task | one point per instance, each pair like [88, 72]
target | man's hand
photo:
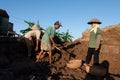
[37, 43]
[96, 48]
[53, 45]
[36, 48]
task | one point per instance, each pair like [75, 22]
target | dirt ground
[16, 65]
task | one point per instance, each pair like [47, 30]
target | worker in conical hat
[94, 41]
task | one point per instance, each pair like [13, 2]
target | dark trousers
[92, 51]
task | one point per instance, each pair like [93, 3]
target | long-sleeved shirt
[93, 43]
[50, 32]
[33, 33]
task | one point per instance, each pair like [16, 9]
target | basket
[74, 63]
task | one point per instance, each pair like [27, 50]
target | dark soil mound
[16, 65]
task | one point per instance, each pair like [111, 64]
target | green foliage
[25, 31]
[30, 24]
[38, 23]
[65, 36]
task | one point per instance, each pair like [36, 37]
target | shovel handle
[57, 48]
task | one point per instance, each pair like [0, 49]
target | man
[35, 32]
[94, 42]
[47, 42]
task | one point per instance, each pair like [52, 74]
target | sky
[73, 14]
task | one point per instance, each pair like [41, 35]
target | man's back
[33, 33]
[50, 32]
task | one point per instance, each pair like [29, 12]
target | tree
[30, 24]
[65, 36]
